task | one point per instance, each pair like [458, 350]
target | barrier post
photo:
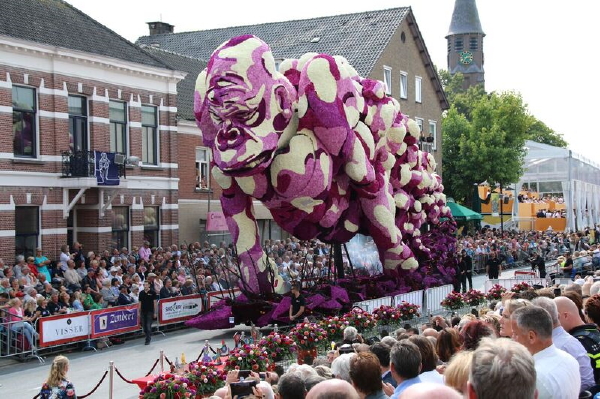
[162, 361]
[111, 373]
[88, 346]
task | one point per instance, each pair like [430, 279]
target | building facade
[75, 102]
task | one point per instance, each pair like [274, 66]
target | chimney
[157, 28]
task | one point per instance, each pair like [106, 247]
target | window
[202, 169]
[78, 123]
[403, 85]
[149, 135]
[420, 123]
[151, 226]
[387, 80]
[118, 126]
[473, 43]
[120, 227]
[458, 44]
[418, 95]
[24, 124]
[27, 230]
[433, 134]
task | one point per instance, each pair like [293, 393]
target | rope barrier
[168, 361]
[96, 387]
[153, 367]
[123, 378]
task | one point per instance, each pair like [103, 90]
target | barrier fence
[508, 283]
[372, 304]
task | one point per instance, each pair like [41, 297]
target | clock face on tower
[466, 57]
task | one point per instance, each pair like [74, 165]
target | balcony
[78, 164]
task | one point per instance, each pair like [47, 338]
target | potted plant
[169, 386]
[495, 293]
[474, 297]
[248, 357]
[278, 346]
[453, 301]
[408, 311]
[205, 378]
[308, 336]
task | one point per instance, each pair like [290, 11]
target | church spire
[465, 44]
[465, 18]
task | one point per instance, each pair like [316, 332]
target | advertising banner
[173, 310]
[117, 320]
[215, 221]
[60, 329]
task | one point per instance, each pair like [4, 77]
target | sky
[544, 50]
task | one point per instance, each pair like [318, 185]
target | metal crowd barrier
[14, 340]
[372, 304]
[428, 300]
[434, 296]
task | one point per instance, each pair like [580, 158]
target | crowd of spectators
[79, 280]
[518, 247]
[535, 344]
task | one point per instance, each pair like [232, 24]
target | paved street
[133, 359]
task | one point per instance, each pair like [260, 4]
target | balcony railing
[82, 164]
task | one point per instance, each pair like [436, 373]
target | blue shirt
[403, 385]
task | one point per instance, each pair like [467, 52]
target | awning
[460, 212]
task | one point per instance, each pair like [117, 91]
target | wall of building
[38, 181]
[405, 56]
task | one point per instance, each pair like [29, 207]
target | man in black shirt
[298, 303]
[587, 334]
[493, 266]
[90, 280]
[147, 298]
[538, 262]
[465, 265]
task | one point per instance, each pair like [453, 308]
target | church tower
[465, 43]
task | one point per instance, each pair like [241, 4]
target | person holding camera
[248, 387]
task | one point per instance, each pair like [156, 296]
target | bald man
[427, 390]
[587, 334]
[332, 388]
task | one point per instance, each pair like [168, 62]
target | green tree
[486, 145]
[540, 132]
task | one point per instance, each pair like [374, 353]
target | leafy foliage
[487, 131]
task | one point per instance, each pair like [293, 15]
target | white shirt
[568, 343]
[557, 374]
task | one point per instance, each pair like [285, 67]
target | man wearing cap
[124, 297]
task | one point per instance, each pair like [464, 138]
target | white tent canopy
[558, 171]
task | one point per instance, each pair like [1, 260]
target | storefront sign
[115, 320]
[173, 310]
[56, 330]
[215, 221]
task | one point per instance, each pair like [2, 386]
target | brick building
[70, 90]
[385, 45]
